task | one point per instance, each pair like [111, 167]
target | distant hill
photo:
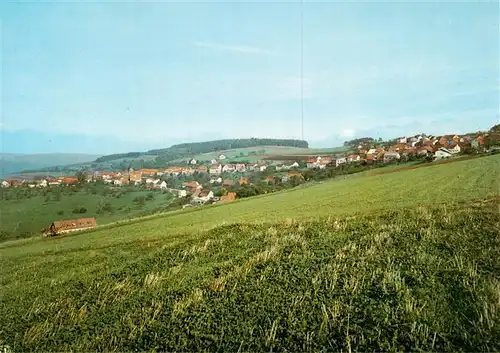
[186, 150]
[11, 163]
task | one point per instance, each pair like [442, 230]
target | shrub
[141, 200]
[104, 206]
[80, 209]
[60, 213]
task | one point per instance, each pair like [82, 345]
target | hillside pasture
[24, 216]
[270, 153]
[243, 153]
[406, 261]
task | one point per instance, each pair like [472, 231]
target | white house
[282, 167]
[312, 164]
[117, 182]
[182, 193]
[353, 158]
[294, 165]
[188, 171]
[205, 196]
[391, 155]
[240, 167]
[5, 184]
[263, 168]
[222, 157]
[216, 180]
[163, 185]
[215, 169]
[193, 161]
[228, 168]
[252, 167]
[43, 183]
[402, 140]
[456, 149]
[340, 161]
[285, 178]
[213, 161]
[442, 153]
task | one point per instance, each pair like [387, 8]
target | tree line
[186, 150]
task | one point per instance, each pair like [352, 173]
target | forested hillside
[189, 149]
[11, 163]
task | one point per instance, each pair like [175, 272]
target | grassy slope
[31, 215]
[394, 274]
[233, 154]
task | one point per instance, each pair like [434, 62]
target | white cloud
[235, 48]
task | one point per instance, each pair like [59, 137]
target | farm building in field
[61, 227]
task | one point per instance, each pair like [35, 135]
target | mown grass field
[401, 261]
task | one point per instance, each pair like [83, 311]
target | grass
[233, 155]
[22, 217]
[401, 261]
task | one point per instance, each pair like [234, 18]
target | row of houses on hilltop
[218, 168]
[419, 146]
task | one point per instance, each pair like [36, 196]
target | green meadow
[408, 260]
[242, 154]
[24, 212]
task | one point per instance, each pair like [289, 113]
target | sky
[114, 77]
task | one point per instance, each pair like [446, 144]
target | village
[419, 146]
[198, 183]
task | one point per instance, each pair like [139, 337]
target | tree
[141, 200]
[81, 175]
[80, 209]
[495, 128]
[221, 192]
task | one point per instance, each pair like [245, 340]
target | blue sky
[123, 76]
